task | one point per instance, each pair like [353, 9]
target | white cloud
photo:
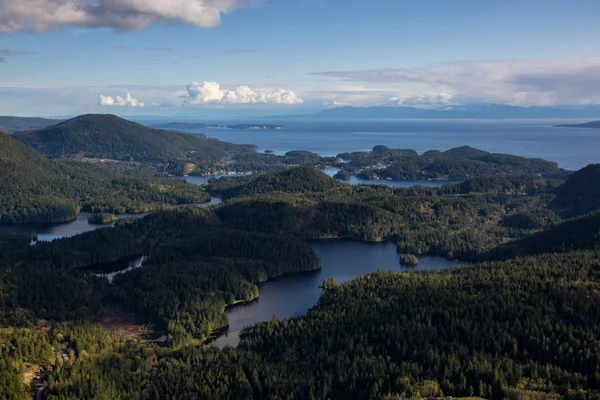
[519, 82]
[335, 103]
[426, 99]
[119, 101]
[43, 15]
[212, 93]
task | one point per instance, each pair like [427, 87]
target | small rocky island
[408, 260]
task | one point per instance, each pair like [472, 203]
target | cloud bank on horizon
[134, 15]
[520, 82]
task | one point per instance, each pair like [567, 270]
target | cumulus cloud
[212, 93]
[426, 99]
[43, 15]
[127, 101]
[521, 82]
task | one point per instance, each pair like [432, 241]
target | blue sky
[251, 57]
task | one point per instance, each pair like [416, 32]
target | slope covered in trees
[293, 180]
[36, 189]
[455, 164]
[109, 137]
[525, 328]
[580, 194]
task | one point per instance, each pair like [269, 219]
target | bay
[571, 148]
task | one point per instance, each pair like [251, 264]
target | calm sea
[571, 148]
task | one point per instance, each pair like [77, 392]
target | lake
[571, 148]
[292, 295]
[50, 232]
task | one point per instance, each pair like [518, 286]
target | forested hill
[459, 163]
[16, 124]
[591, 124]
[96, 136]
[580, 194]
[293, 180]
[36, 189]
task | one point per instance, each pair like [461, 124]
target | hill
[459, 163]
[580, 194]
[591, 124]
[15, 124]
[581, 233]
[36, 189]
[292, 180]
[95, 137]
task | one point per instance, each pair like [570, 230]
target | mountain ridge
[467, 111]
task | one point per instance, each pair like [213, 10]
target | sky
[267, 57]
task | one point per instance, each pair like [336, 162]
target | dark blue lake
[292, 295]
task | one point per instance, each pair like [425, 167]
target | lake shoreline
[292, 294]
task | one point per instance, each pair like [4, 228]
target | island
[343, 175]
[408, 260]
[591, 124]
[256, 127]
[101, 219]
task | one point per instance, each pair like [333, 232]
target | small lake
[123, 265]
[203, 180]
[391, 183]
[292, 295]
[50, 232]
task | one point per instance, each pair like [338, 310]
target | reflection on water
[292, 295]
[391, 183]
[203, 180]
[130, 263]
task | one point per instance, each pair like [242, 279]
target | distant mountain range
[467, 111]
[591, 124]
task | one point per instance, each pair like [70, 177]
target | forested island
[384, 335]
[591, 124]
[456, 164]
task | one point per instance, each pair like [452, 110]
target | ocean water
[571, 148]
